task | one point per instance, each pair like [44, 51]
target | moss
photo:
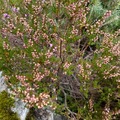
[6, 102]
[30, 115]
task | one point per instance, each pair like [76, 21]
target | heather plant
[54, 54]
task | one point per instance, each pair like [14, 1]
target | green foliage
[6, 102]
[96, 10]
[64, 55]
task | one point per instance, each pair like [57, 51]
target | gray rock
[20, 109]
[3, 86]
[46, 114]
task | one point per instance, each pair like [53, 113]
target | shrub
[53, 55]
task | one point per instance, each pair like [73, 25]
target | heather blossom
[60, 54]
[6, 15]
[14, 9]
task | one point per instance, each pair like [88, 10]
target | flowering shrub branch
[52, 55]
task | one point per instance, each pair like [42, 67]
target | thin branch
[65, 101]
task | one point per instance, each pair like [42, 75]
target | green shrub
[57, 54]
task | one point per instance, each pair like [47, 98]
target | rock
[3, 86]
[20, 109]
[45, 114]
[59, 117]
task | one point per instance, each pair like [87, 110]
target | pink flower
[14, 9]
[5, 15]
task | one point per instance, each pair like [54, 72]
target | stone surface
[3, 86]
[46, 114]
[20, 109]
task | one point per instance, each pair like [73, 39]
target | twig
[65, 101]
